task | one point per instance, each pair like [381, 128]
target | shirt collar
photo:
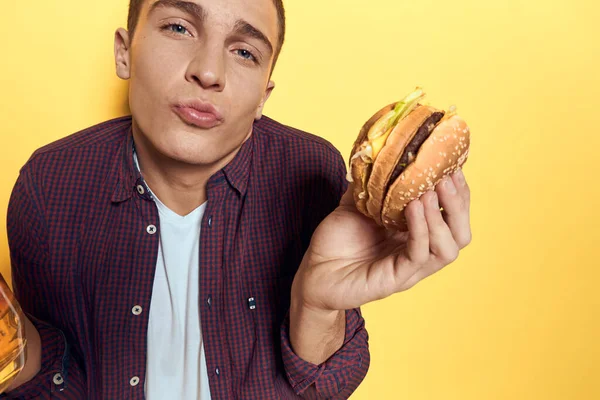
[125, 172]
[236, 173]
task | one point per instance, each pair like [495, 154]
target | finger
[456, 211]
[422, 273]
[462, 187]
[441, 241]
[418, 233]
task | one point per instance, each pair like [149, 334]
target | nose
[207, 68]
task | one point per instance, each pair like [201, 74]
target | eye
[246, 54]
[176, 28]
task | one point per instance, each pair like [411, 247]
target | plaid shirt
[82, 232]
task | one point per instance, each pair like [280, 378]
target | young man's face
[199, 74]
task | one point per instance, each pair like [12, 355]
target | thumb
[347, 199]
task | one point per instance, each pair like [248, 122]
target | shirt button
[252, 303]
[57, 379]
[141, 189]
[136, 310]
[209, 222]
[217, 371]
[209, 301]
[151, 229]
[134, 381]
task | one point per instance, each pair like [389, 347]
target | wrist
[315, 334]
[304, 311]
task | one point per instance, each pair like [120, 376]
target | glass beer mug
[12, 337]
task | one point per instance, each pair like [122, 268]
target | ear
[259, 110]
[122, 53]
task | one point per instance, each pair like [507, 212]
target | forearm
[33, 353]
[50, 372]
[57, 375]
[315, 335]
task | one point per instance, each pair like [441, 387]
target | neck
[179, 185]
[180, 189]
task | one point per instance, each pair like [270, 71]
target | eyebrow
[241, 27]
[188, 7]
[244, 28]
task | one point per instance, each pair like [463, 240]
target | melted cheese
[378, 134]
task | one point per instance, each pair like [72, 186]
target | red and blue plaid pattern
[83, 243]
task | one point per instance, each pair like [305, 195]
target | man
[197, 250]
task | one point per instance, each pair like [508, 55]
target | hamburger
[401, 152]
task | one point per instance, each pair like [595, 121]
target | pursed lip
[198, 113]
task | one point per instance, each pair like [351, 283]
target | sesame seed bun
[389, 157]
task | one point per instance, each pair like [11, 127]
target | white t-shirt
[176, 365]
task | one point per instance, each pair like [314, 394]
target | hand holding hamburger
[388, 232]
[401, 152]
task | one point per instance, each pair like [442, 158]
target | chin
[194, 149]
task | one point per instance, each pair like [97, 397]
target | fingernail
[460, 177]
[449, 186]
[419, 208]
[434, 200]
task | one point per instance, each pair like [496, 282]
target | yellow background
[518, 315]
